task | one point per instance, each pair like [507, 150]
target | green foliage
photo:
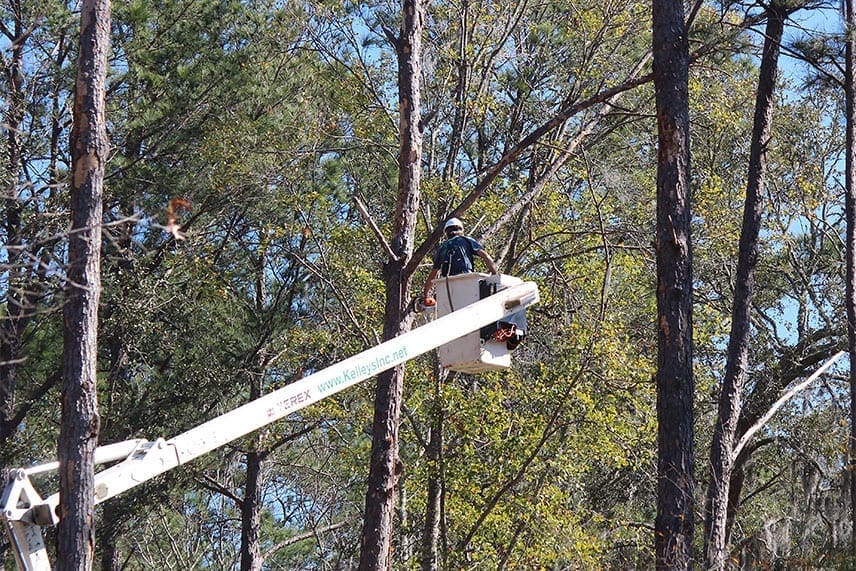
[268, 118]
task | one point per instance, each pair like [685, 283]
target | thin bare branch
[747, 436]
[301, 536]
[370, 221]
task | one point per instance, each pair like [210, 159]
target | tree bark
[26, 283]
[80, 421]
[251, 504]
[12, 328]
[251, 559]
[434, 501]
[850, 217]
[675, 385]
[108, 533]
[385, 467]
[722, 458]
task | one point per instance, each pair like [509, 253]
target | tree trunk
[25, 282]
[674, 524]
[80, 422]
[251, 559]
[110, 559]
[251, 505]
[385, 468]
[434, 501]
[107, 535]
[731, 395]
[12, 328]
[850, 216]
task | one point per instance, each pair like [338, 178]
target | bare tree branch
[380, 237]
[747, 436]
[301, 536]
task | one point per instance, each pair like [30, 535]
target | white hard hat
[453, 223]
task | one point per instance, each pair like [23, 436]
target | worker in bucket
[455, 255]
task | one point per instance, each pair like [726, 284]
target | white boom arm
[25, 512]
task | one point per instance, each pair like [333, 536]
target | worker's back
[456, 256]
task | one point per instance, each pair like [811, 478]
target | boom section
[353, 370]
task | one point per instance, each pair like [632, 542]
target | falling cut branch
[747, 436]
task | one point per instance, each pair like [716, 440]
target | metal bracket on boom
[25, 512]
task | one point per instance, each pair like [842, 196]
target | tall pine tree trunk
[251, 504]
[80, 421]
[722, 458]
[108, 535]
[675, 386]
[251, 559]
[850, 216]
[385, 467]
[430, 560]
[12, 328]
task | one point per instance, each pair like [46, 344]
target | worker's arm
[429, 283]
[487, 260]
